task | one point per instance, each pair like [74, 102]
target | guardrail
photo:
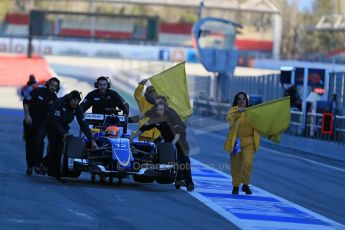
[208, 108]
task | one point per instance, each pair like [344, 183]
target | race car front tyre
[143, 179]
[71, 173]
[165, 180]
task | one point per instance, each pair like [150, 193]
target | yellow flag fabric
[172, 83]
[270, 119]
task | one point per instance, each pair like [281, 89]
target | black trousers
[34, 135]
[183, 166]
[55, 149]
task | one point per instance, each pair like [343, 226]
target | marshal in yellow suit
[144, 106]
[241, 163]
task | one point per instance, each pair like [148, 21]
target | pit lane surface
[41, 202]
[315, 187]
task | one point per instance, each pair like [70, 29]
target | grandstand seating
[105, 28]
[16, 30]
[175, 34]
[17, 19]
[16, 25]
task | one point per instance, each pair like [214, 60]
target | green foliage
[188, 18]
[321, 7]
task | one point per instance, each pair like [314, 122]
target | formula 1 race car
[118, 156]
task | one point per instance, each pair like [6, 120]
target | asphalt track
[40, 202]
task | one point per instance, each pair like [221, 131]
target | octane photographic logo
[137, 166]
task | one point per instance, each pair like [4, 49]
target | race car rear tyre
[165, 180]
[143, 179]
[71, 173]
[93, 178]
[102, 179]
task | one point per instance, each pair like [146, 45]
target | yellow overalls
[144, 105]
[241, 163]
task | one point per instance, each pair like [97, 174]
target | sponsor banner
[89, 49]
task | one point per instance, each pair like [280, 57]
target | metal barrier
[209, 108]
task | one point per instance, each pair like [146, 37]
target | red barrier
[17, 18]
[15, 70]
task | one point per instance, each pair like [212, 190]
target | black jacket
[62, 115]
[111, 99]
[168, 125]
[40, 101]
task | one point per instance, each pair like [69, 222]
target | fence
[269, 87]
[208, 108]
[337, 87]
[313, 127]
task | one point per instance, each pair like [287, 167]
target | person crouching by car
[173, 130]
[62, 114]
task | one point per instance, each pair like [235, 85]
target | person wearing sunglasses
[145, 103]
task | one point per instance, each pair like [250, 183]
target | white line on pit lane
[250, 223]
[288, 155]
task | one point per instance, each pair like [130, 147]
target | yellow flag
[270, 119]
[172, 83]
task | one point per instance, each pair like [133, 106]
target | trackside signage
[94, 49]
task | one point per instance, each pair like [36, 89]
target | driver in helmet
[112, 131]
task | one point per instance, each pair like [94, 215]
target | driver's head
[102, 84]
[112, 131]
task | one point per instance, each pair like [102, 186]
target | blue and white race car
[118, 156]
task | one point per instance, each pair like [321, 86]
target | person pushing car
[62, 114]
[36, 107]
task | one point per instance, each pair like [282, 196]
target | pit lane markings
[260, 211]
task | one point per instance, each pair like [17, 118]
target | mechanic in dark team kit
[104, 98]
[173, 130]
[36, 106]
[62, 114]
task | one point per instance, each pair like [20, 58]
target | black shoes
[38, 170]
[44, 170]
[235, 190]
[29, 171]
[246, 189]
[177, 184]
[190, 185]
